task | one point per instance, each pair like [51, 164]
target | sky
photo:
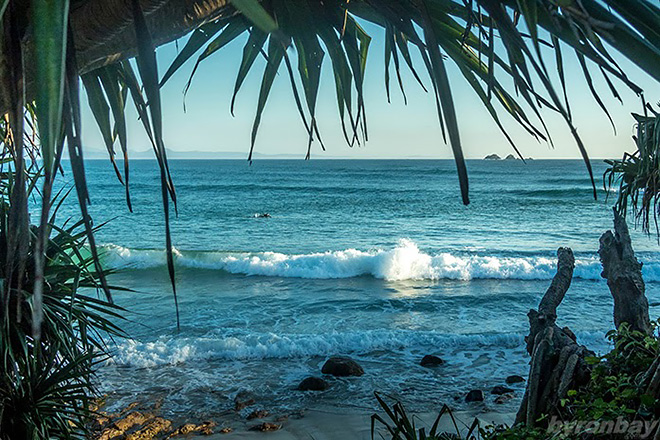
[395, 130]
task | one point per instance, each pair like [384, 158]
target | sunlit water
[377, 260]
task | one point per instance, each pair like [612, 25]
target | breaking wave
[172, 351]
[403, 262]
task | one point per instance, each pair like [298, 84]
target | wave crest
[403, 262]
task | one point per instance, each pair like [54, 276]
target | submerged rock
[205, 428]
[431, 361]
[492, 157]
[266, 426]
[342, 366]
[499, 390]
[503, 398]
[312, 383]
[258, 414]
[475, 396]
[243, 399]
[150, 430]
[514, 379]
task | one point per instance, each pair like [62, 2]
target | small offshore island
[509, 157]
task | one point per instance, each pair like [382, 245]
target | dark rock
[503, 398]
[342, 366]
[313, 384]
[243, 399]
[511, 157]
[499, 390]
[475, 396]
[514, 379]
[431, 361]
[266, 426]
[492, 157]
[258, 414]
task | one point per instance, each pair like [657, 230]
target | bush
[46, 381]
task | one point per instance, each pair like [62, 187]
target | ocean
[373, 259]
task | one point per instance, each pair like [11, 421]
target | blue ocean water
[377, 260]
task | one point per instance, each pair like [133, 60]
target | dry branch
[624, 277]
[557, 363]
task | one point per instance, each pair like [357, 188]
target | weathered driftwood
[624, 277]
[557, 363]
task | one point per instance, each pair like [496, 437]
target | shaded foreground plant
[400, 425]
[46, 383]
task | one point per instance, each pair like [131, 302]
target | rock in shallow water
[342, 366]
[313, 384]
[431, 361]
[475, 396]
[499, 390]
[503, 398]
[266, 426]
[243, 399]
[258, 414]
[514, 379]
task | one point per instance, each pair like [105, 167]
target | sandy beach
[320, 424]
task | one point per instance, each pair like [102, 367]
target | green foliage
[617, 383]
[638, 174]
[514, 433]
[46, 383]
[402, 426]
[479, 37]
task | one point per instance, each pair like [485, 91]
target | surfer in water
[264, 215]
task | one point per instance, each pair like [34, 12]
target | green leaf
[256, 14]
[148, 68]
[251, 50]
[101, 112]
[275, 55]
[49, 22]
[198, 38]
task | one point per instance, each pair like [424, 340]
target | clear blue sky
[396, 130]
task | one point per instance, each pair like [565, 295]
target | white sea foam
[404, 262]
[172, 351]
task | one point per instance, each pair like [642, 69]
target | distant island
[509, 157]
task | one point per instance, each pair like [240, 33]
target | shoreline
[334, 424]
[143, 422]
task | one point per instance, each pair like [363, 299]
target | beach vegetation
[636, 177]
[46, 378]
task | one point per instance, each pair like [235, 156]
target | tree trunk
[557, 363]
[624, 277]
